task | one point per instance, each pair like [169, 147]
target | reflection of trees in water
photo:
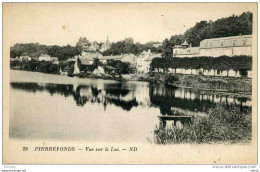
[109, 95]
[167, 97]
[65, 90]
[125, 96]
[29, 87]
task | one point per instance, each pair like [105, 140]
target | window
[211, 44]
[222, 43]
[244, 42]
[205, 44]
[234, 42]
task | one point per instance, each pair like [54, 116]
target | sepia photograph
[136, 82]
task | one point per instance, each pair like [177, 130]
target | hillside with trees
[224, 27]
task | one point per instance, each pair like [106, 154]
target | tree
[96, 63]
[82, 44]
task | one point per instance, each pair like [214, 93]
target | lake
[53, 107]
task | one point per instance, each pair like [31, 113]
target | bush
[171, 79]
[223, 124]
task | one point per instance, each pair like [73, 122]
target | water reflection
[127, 95]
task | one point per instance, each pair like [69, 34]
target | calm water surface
[44, 106]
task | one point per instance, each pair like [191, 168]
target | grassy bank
[201, 82]
[228, 125]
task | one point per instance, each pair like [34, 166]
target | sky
[64, 23]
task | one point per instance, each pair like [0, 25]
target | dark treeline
[35, 50]
[36, 66]
[224, 27]
[50, 68]
[222, 63]
[64, 52]
[128, 46]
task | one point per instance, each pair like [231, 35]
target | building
[127, 58]
[25, 58]
[95, 46]
[215, 47]
[104, 59]
[229, 46]
[44, 57]
[90, 56]
[156, 45]
[53, 59]
[105, 46]
[144, 60]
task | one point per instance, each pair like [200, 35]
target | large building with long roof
[215, 47]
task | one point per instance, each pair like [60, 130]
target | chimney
[149, 51]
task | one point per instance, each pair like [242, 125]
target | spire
[185, 43]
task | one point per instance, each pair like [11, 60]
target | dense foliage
[44, 67]
[224, 27]
[49, 67]
[219, 63]
[121, 67]
[128, 46]
[35, 50]
[223, 124]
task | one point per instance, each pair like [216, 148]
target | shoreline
[137, 79]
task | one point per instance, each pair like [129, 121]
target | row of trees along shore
[222, 63]
[230, 26]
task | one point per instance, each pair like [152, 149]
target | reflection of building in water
[142, 95]
[190, 99]
[105, 95]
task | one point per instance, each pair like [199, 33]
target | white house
[144, 60]
[44, 57]
[127, 58]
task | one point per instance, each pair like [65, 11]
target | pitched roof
[44, 55]
[130, 58]
[110, 67]
[54, 58]
[232, 41]
[56, 62]
[71, 60]
[151, 57]
[178, 46]
[25, 57]
[144, 54]
[190, 50]
[185, 43]
[91, 56]
[116, 57]
[84, 61]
